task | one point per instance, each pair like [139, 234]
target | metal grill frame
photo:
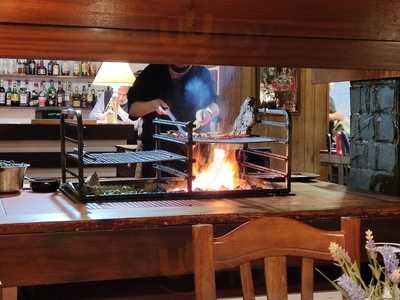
[248, 169]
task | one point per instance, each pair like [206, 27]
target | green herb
[109, 190]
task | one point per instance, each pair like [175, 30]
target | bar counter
[46, 238]
[99, 131]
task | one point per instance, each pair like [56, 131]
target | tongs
[172, 117]
[85, 154]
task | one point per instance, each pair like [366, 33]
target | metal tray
[123, 158]
[71, 190]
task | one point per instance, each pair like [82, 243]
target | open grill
[277, 181]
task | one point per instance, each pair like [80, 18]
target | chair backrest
[273, 239]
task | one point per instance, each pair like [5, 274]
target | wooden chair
[273, 239]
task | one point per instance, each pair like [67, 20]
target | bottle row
[24, 93]
[48, 68]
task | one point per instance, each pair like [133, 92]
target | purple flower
[353, 290]
[389, 258]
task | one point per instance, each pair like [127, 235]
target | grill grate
[142, 204]
[222, 140]
[123, 158]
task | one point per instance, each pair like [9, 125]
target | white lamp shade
[114, 74]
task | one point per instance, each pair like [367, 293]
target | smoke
[197, 91]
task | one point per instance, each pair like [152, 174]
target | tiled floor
[317, 296]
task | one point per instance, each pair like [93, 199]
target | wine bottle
[60, 95]
[2, 94]
[34, 99]
[51, 94]
[42, 95]
[9, 94]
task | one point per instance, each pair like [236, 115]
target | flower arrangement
[384, 278]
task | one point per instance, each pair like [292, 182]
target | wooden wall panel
[141, 46]
[332, 75]
[310, 126]
[342, 19]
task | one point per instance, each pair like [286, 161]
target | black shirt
[184, 96]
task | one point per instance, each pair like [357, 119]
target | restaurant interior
[301, 152]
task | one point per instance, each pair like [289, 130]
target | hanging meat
[246, 118]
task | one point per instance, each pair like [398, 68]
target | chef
[185, 90]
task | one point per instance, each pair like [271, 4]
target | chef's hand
[159, 106]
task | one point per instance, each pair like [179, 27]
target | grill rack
[159, 156]
[94, 159]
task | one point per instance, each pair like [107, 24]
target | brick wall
[375, 136]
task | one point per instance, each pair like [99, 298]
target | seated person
[120, 104]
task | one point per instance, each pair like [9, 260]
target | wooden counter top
[29, 212]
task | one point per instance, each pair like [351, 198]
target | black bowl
[44, 185]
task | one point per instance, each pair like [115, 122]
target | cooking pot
[44, 185]
[11, 176]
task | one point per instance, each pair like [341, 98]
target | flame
[220, 172]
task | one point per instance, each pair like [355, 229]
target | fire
[220, 172]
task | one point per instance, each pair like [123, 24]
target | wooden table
[46, 238]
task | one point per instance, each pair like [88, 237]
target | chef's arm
[142, 108]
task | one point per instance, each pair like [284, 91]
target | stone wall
[374, 136]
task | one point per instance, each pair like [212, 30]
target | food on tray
[105, 190]
[11, 164]
[206, 135]
[94, 186]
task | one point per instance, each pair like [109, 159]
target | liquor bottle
[90, 99]
[2, 94]
[9, 94]
[32, 67]
[15, 95]
[42, 95]
[20, 66]
[68, 93]
[60, 95]
[92, 69]
[26, 66]
[51, 95]
[23, 95]
[65, 69]
[94, 96]
[28, 90]
[41, 69]
[34, 99]
[84, 97]
[76, 98]
[50, 68]
[56, 69]
[77, 68]
[84, 69]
